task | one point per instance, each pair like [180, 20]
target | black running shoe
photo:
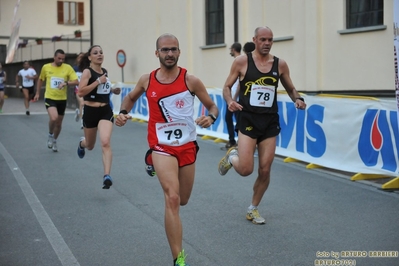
[149, 167]
[107, 182]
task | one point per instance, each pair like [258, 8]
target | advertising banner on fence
[396, 48]
[348, 134]
[354, 135]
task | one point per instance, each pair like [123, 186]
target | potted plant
[23, 43]
[56, 38]
[39, 41]
[78, 33]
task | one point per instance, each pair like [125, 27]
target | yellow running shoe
[181, 259]
[224, 164]
[254, 216]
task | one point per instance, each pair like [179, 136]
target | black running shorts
[31, 90]
[258, 126]
[93, 115]
[59, 104]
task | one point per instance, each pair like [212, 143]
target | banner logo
[379, 140]
[305, 126]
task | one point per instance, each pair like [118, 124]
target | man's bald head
[165, 36]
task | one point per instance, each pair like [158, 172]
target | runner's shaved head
[261, 28]
[163, 36]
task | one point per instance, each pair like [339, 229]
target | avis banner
[348, 134]
[396, 48]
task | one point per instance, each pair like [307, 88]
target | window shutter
[81, 13]
[60, 12]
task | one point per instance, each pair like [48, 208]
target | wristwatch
[213, 117]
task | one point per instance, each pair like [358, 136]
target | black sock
[80, 145]
[174, 262]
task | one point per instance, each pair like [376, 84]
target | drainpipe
[91, 22]
[235, 20]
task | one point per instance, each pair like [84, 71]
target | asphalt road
[53, 210]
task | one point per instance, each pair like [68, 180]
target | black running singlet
[102, 91]
[258, 91]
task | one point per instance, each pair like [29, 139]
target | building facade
[330, 46]
[341, 46]
[53, 22]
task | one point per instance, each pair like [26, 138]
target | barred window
[214, 21]
[364, 13]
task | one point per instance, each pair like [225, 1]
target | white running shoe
[54, 148]
[50, 141]
[77, 117]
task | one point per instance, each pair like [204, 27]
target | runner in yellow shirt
[58, 76]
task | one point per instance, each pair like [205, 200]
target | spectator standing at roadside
[3, 79]
[248, 47]
[235, 50]
[80, 102]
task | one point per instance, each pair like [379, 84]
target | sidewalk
[15, 106]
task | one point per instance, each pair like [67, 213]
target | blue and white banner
[348, 134]
[396, 48]
[358, 135]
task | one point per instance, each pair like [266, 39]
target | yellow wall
[319, 57]
[38, 19]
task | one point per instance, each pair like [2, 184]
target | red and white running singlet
[171, 108]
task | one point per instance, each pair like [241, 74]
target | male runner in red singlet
[172, 131]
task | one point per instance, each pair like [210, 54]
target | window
[70, 13]
[364, 13]
[214, 22]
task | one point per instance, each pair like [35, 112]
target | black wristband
[213, 117]
[123, 112]
[300, 98]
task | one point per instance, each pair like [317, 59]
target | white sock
[252, 207]
[229, 159]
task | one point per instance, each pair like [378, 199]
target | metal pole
[91, 23]
[235, 20]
